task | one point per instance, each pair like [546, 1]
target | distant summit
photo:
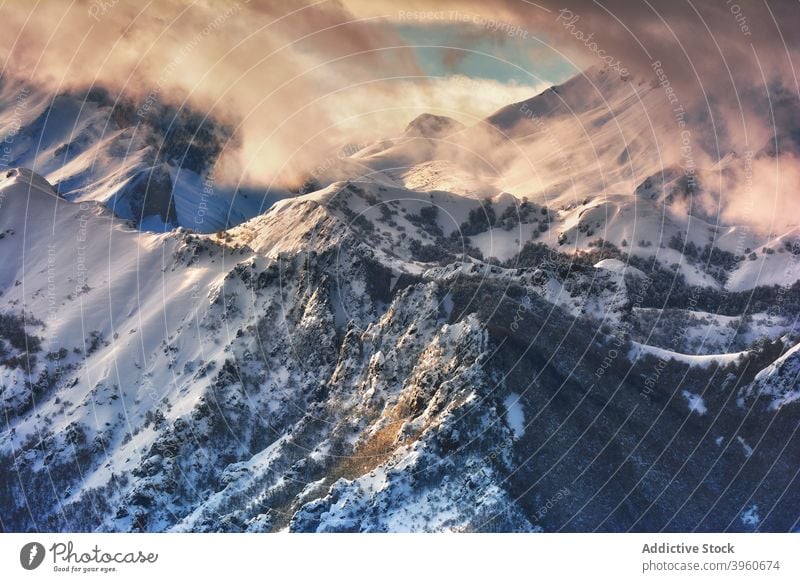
[432, 126]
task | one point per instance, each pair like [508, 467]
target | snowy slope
[149, 168]
[780, 381]
[302, 371]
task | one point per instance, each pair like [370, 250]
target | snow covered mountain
[152, 165]
[433, 339]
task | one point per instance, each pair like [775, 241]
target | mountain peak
[26, 177]
[587, 90]
[432, 126]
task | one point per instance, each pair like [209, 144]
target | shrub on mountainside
[18, 348]
[480, 219]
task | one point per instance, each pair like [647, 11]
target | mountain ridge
[320, 377]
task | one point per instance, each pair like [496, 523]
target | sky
[472, 50]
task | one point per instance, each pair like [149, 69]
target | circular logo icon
[31, 555]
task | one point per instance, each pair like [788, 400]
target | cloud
[252, 64]
[764, 194]
[729, 67]
[298, 79]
